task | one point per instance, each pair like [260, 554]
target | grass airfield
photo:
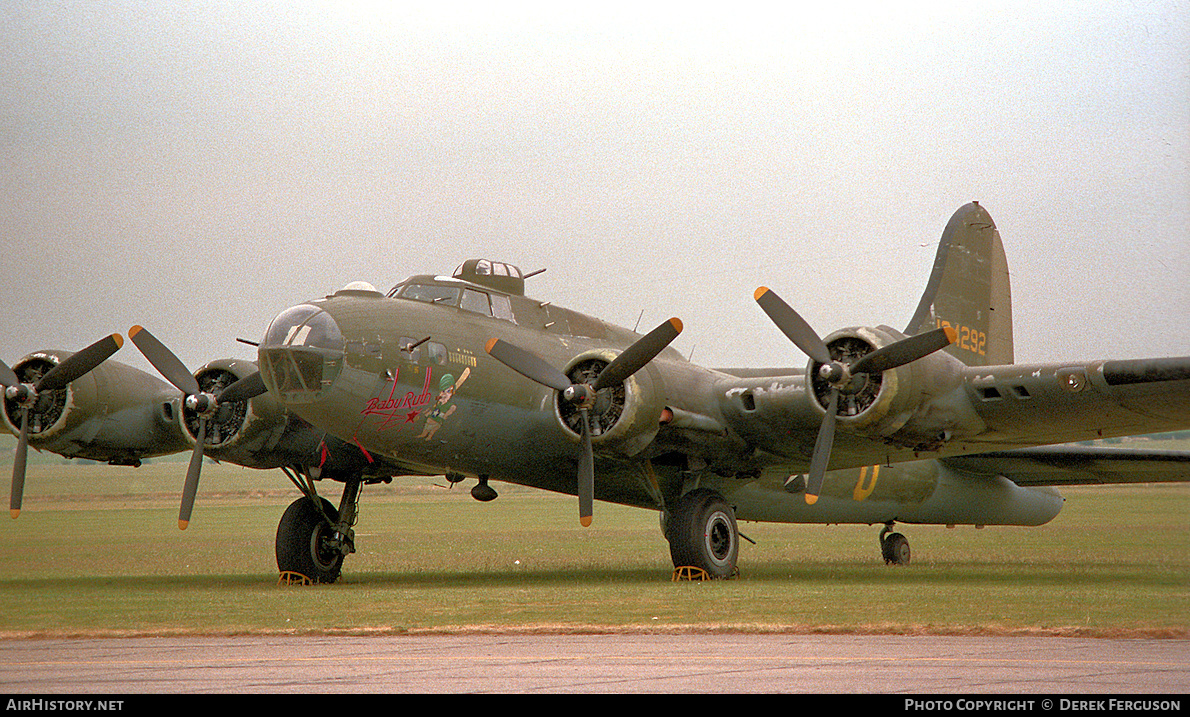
[97, 552]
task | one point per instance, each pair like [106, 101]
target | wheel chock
[692, 573]
[689, 572]
[289, 577]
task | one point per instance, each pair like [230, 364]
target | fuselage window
[476, 301]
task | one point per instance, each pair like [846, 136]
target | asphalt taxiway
[619, 663]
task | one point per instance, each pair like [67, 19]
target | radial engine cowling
[887, 405]
[239, 428]
[625, 418]
[51, 414]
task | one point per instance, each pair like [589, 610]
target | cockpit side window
[445, 295]
[502, 308]
[476, 301]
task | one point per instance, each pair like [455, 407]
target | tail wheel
[895, 548]
[304, 541]
[702, 533]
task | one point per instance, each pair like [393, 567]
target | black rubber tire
[702, 533]
[301, 538]
[895, 549]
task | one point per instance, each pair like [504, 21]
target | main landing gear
[702, 533]
[313, 537]
[894, 546]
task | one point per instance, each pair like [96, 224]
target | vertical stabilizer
[969, 291]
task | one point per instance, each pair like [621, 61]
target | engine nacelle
[239, 429]
[625, 418]
[115, 413]
[890, 405]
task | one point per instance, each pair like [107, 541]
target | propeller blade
[638, 354]
[245, 388]
[164, 360]
[18, 467]
[7, 377]
[190, 490]
[905, 351]
[80, 363]
[822, 450]
[528, 365]
[792, 325]
[586, 476]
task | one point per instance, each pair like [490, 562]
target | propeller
[245, 388]
[582, 395]
[26, 395]
[841, 375]
[205, 405]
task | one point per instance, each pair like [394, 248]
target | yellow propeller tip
[585, 521]
[760, 292]
[811, 499]
[182, 524]
[135, 330]
[118, 339]
[14, 513]
[676, 323]
[951, 334]
[488, 346]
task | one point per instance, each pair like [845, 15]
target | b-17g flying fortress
[465, 375]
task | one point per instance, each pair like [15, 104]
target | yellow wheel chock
[689, 572]
[692, 573]
[289, 577]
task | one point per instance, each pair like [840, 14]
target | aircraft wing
[1079, 465]
[940, 411]
[1038, 405]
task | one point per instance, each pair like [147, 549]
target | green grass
[97, 552]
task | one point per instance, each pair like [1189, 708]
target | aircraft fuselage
[407, 377]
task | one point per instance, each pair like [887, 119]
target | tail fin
[969, 290]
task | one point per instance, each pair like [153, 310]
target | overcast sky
[198, 167]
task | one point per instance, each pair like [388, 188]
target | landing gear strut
[702, 533]
[313, 538]
[894, 546]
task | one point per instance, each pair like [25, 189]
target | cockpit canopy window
[466, 298]
[446, 295]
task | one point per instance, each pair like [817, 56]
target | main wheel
[303, 541]
[895, 548]
[702, 533]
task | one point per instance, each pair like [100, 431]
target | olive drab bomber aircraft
[465, 376]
